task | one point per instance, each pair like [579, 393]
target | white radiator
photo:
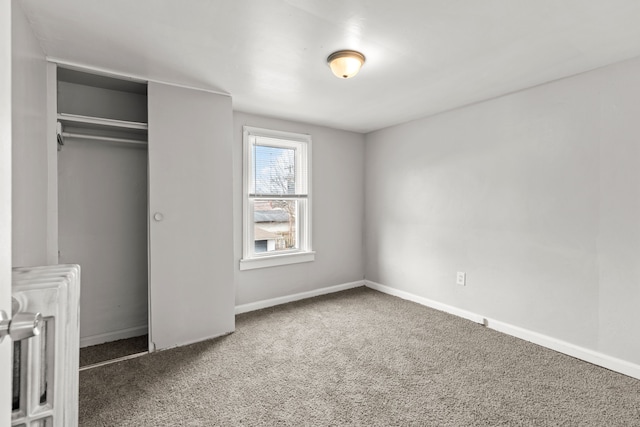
[45, 367]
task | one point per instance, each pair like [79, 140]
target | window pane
[43, 422]
[275, 225]
[274, 170]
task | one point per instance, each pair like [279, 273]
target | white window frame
[304, 253]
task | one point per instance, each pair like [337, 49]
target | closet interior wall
[103, 201]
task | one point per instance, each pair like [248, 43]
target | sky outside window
[274, 170]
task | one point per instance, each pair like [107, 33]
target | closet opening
[102, 131]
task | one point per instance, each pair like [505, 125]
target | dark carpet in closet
[113, 350]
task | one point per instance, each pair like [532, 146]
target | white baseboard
[113, 336]
[591, 356]
[244, 308]
[425, 301]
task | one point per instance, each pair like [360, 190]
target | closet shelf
[100, 122]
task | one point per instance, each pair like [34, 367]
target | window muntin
[277, 211]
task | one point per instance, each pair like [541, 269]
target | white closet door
[190, 205]
[5, 205]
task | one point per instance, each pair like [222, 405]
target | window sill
[276, 260]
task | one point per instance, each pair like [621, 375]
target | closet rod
[101, 121]
[103, 138]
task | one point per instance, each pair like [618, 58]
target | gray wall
[535, 195]
[103, 227]
[338, 203]
[100, 102]
[29, 155]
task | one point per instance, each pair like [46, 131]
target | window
[277, 200]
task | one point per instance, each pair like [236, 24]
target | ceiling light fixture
[345, 63]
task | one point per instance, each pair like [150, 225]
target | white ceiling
[423, 56]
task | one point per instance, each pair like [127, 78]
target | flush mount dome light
[345, 63]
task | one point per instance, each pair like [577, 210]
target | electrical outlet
[461, 278]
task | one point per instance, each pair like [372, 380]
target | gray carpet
[113, 350]
[362, 358]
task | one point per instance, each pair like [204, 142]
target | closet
[103, 201]
[145, 205]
